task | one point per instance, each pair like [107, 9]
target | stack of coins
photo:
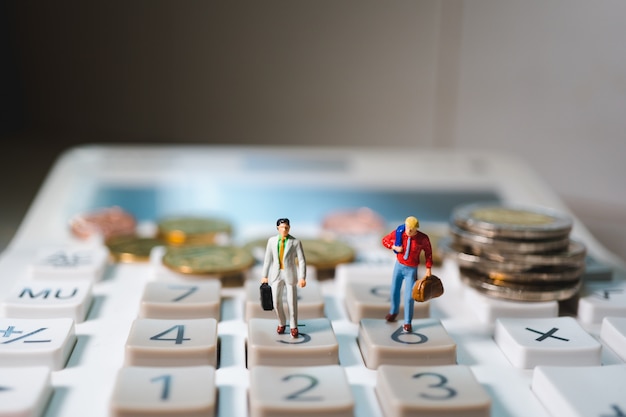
[516, 253]
[199, 246]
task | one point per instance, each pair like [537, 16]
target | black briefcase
[266, 297]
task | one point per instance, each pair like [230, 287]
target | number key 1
[180, 391]
[448, 390]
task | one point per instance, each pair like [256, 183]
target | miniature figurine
[281, 270]
[407, 242]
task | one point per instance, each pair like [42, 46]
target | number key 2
[300, 391]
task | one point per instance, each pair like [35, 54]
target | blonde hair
[412, 222]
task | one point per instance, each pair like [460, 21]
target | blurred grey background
[545, 80]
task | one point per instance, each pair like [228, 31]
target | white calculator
[84, 335]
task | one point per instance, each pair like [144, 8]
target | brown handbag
[427, 288]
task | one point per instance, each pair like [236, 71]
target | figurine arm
[267, 262]
[428, 255]
[389, 240]
[301, 264]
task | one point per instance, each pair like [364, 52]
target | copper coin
[355, 222]
[107, 222]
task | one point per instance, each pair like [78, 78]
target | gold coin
[128, 249]
[500, 221]
[191, 230]
[326, 254]
[320, 253]
[207, 259]
[504, 215]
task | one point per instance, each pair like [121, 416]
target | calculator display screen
[242, 203]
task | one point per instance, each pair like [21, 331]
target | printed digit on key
[167, 380]
[180, 331]
[441, 384]
[188, 291]
[297, 395]
[399, 333]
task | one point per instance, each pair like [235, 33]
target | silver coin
[484, 244]
[508, 221]
[538, 275]
[572, 257]
[520, 292]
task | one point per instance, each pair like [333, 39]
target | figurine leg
[409, 303]
[292, 301]
[396, 285]
[277, 288]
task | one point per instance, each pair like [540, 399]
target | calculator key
[172, 391]
[189, 342]
[24, 392]
[450, 390]
[599, 300]
[363, 272]
[371, 300]
[428, 343]
[300, 391]
[50, 299]
[316, 344]
[168, 300]
[34, 342]
[561, 341]
[70, 262]
[310, 302]
[596, 270]
[488, 309]
[613, 333]
[581, 391]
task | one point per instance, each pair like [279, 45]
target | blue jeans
[408, 275]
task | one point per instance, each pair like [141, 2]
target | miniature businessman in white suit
[282, 272]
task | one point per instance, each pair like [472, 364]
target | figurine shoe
[294, 333]
[280, 329]
[407, 328]
[391, 317]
